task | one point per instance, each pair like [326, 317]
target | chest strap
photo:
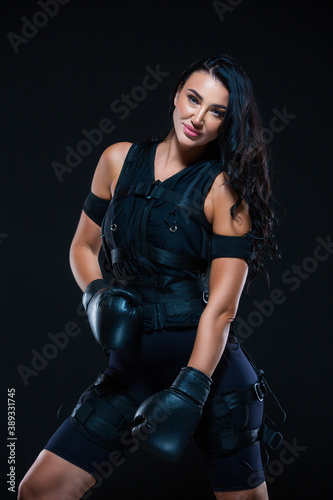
[156, 191]
[159, 255]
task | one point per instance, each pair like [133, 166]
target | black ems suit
[158, 241]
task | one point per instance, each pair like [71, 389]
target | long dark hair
[242, 150]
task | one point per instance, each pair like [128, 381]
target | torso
[164, 174]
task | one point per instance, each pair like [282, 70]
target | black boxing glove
[115, 315]
[165, 421]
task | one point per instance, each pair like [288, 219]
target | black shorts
[153, 368]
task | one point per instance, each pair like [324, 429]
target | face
[199, 109]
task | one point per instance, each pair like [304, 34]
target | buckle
[205, 296]
[151, 188]
[258, 391]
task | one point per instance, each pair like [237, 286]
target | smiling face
[199, 109]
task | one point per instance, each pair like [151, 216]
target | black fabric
[154, 367]
[156, 234]
[95, 208]
[104, 412]
[230, 246]
[169, 217]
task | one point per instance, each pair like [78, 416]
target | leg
[259, 493]
[230, 449]
[65, 469]
[53, 478]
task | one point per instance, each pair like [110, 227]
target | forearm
[84, 265]
[211, 338]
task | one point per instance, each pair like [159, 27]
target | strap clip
[257, 389]
[151, 187]
[205, 295]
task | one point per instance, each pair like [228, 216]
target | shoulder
[108, 169]
[223, 197]
[115, 155]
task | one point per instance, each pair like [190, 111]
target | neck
[175, 154]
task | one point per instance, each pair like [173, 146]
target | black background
[62, 81]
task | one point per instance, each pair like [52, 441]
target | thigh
[98, 430]
[74, 447]
[229, 430]
[52, 477]
[258, 493]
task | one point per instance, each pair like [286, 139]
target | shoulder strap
[133, 153]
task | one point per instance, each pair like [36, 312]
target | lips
[191, 131]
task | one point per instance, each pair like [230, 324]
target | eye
[192, 98]
[219, 114]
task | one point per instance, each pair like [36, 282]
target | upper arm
[229, 266]
[106, 174]
[108, 169]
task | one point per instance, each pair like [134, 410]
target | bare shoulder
[223, 196]
[116, 153]
[109, 168]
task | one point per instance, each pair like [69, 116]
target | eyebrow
[198, 95]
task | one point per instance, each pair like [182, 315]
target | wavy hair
[242, 150]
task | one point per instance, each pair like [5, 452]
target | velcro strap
[105, 412]
[159, 255]
[155, 190]
[272, 438]
[83, 412]
[103, 385]
[234, 440]
[230, 246]
[187, 307]
[222, 405]
[87, 416]
[173, 292]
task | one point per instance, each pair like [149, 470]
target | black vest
[157, 237]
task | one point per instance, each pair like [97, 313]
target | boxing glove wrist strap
[91, 289]
[194, 383]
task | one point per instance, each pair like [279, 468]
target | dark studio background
[62, 81]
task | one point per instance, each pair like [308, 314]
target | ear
[180, 86]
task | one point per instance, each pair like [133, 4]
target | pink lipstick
[190, 131]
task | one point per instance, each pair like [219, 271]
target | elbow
[78, 252]
[79, 246]
[72, 255]
[73, 250]
[220, 315]
[228, 315]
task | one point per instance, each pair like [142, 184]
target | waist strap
[173, 292]
[159, 303]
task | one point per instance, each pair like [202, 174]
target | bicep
[87, 234]
[229, 253]
[226, 282]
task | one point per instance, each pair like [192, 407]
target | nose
[198, 118]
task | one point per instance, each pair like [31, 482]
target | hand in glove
[114, 315]
[165, 421]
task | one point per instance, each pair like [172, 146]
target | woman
[198, 194]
